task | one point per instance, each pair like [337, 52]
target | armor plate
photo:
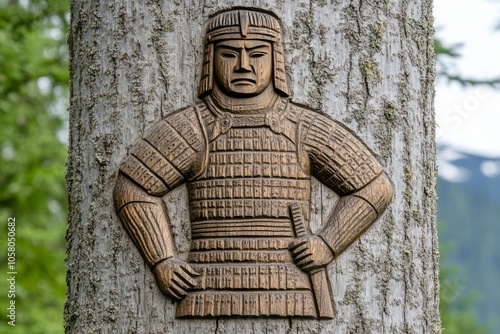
[241, 227]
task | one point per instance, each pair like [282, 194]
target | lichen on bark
[366, 63]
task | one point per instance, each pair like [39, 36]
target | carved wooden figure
[247, 154]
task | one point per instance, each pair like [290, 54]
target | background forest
[33, 143]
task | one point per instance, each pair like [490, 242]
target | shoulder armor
[168, 153]
[340, 159]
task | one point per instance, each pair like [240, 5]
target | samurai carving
[247, 154]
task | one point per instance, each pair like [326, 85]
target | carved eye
[257, 54]
[228, 55]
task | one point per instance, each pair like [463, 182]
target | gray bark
[366, 63]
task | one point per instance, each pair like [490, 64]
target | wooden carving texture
[247, 154]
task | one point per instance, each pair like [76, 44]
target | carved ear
[207, 72]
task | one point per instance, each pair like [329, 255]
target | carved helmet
[243, 24]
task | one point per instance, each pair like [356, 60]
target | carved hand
[310, 253]
[175, 277]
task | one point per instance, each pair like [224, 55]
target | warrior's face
[243, 67]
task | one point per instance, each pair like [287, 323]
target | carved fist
[175, 277]
[310, 253]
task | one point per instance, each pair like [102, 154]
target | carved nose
[244, 65]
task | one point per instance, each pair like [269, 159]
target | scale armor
[243, 172]
[240, 223]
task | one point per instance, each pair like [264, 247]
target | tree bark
[368, 64]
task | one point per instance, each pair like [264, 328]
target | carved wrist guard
[144, 223]
[145, 220]
[356, 212]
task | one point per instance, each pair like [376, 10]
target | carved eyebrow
[258, 46]
[238, 48]
[228, 47]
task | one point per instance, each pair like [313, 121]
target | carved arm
[354, 213]
[156, 164]
[145, 219]
[342, 162]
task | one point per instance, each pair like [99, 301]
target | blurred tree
[445, 54]
[457, 311]
[456, 303]
[33, 95]
[133, 63]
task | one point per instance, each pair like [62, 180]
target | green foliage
[445, 54]
[33, 91]
[471, 212]
[471, 215]
[456, 307]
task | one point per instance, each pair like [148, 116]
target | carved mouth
[245, 81]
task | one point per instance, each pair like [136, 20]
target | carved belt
[281, 256]
[251, 276]
[243, 244]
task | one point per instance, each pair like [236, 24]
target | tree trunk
[368, 64]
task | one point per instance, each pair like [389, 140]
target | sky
[468, 119]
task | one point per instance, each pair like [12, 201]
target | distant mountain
[469, 213]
